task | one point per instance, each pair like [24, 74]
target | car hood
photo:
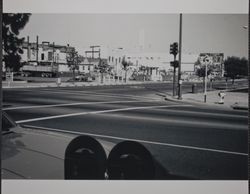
[36, 154]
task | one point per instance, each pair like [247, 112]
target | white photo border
[125, 6]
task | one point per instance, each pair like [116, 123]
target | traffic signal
[174, 64]
[174, 48]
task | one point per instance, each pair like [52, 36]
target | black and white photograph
[129, 96]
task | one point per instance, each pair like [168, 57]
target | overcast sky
[201, 32]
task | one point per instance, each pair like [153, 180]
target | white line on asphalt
[209, 114]
[74, 104]
[141, 141]
[195, 122]
[98, 112]
[95, 93]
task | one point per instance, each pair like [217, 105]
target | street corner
[176, 99]
[220, 98]
[168, 97]
[199, 99]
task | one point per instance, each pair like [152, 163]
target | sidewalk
[233, 99]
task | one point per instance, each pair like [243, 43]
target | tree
[103, 68]
[73, 61]
[12, 44]
[125, 67]
[235, 67]
[201, 70]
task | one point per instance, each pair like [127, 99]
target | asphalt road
[188, 140]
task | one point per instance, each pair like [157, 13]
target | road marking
[64, 91]
[139, 140]
[84, 93]
[209, 114]
[74, 104]
[183, 122]
[98, 112]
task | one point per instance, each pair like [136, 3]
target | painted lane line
[186, 122]
[98, 112]
[141, 141]
[208, 114]
[95, 93]
[74, 104]
[91, 93]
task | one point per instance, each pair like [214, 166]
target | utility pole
[93, 50]
[179, 69]
[37, 49]
[53, 54]
[28, 48]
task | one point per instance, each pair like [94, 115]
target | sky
[223, 33]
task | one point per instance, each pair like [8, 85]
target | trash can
[194, 88]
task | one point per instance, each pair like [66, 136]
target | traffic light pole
[179, 68]
[174, 78]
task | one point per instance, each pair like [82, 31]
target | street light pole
[179, 68]
[205, 89]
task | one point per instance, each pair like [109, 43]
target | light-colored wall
[157, 60]
[63, 68]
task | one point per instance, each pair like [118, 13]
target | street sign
[174, 64]
[206, 60]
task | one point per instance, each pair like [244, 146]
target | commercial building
[44, 58]
[51, 58]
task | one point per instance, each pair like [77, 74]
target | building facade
[50, 57]
[150, 63]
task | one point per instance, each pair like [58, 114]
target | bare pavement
[236, 98]
[188, 138]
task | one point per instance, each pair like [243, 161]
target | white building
[153, 62]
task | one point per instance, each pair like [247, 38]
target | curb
[169, 98]
[191, 101]
[235, 106]
[238, 107]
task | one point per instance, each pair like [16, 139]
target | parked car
[84, 78]
[81, 77]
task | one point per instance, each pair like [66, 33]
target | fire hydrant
[222, 95]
